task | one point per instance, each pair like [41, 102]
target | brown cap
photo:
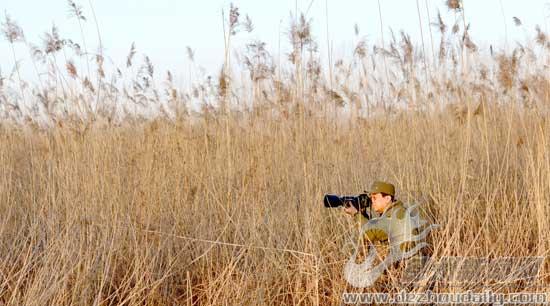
[382, 187]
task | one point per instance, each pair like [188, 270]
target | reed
[133, 190]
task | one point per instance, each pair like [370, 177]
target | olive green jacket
[392, 224]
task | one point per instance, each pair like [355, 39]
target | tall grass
[145, 193]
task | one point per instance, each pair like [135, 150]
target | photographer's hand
[350, 210]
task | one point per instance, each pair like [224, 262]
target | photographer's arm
[372, 234]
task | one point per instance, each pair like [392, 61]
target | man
[390, 219]
[394, 231]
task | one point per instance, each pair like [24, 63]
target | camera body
[361, 202]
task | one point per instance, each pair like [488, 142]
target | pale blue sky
[163, 28]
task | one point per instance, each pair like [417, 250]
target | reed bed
[117, 187]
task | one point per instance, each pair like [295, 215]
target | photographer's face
[380, 202]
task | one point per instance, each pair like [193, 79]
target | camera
[361, 202]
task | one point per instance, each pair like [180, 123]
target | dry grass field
[107, 205]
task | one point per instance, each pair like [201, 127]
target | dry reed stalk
[221, 205]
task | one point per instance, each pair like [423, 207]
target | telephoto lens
[360, 202]
[332, 200]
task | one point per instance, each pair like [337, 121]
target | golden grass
[221, 212]
[126, 189]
